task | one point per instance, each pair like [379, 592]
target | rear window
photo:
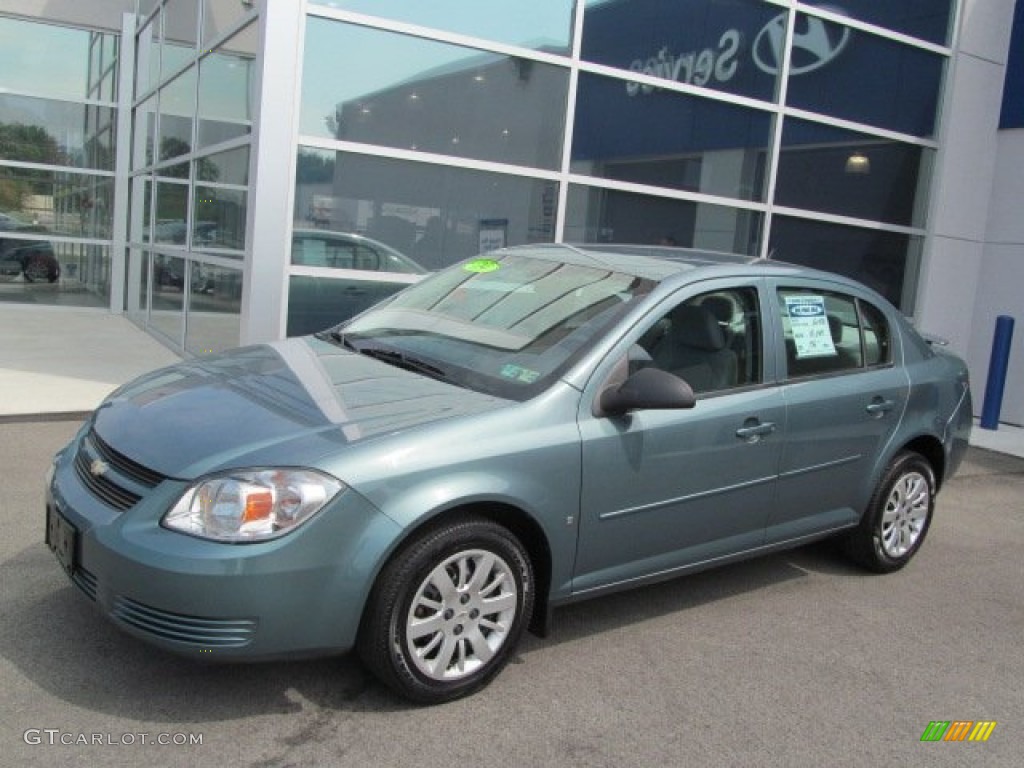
[826, 333]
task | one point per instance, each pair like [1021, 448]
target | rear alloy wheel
[448, 611]
[898, 516]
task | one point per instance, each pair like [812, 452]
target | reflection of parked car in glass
[32, 258]
[315, 303]
[169, 272]
[341, 250]
[170, 231]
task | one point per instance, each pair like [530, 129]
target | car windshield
[507, 324]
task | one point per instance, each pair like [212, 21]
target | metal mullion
[428, 158]
[849, 221]
[55, 168]
[362, 275]
[675, 86]
[776, 149]
[666, 192]
[562, 206]
[850, 125]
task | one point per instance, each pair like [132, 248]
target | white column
[964, 173]
[122, 165]
[272, 172]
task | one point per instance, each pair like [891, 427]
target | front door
[663, 490]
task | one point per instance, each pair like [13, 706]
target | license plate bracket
[62, 539]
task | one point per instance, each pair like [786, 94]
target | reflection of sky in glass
[44, 60]
[532, 23]
[328, 76]
[328, 79]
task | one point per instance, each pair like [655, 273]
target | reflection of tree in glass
[314, 167]
[27, 144]
[175, 147]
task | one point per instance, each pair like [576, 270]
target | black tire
[897, 517]
[479, 624]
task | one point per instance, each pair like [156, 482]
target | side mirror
[648, 388]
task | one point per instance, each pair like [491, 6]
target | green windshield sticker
[482, 265]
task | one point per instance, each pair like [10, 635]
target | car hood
[292, 403]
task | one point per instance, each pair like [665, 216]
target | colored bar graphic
[958, 730]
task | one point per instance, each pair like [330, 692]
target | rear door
[845, 395]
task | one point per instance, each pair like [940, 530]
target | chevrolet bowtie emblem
[98, 467]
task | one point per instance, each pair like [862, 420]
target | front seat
[694, 348]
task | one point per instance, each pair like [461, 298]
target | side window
[367, 258]
[712, 341]
[877, 339]
[827, 333]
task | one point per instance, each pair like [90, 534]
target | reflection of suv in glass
[32, 258]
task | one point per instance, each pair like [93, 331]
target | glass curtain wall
[192, 116]
[58, 131]
[801, 131]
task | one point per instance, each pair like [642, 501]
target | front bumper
[299, 595]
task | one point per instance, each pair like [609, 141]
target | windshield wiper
[402, 360]
[340, 338]
[389, 356]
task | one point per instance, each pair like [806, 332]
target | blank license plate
[60, 538]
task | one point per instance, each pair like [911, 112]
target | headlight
[251, 505]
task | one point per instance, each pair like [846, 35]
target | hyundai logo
[814, 46]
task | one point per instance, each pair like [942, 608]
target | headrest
[835, 327]
[720, 307]
[695, 326]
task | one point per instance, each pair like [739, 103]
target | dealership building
[225, 172]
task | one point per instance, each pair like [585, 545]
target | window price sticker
[809, 323]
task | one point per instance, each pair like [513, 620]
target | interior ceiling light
[858, 163]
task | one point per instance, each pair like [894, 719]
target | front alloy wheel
[461, 615]
[447, 611]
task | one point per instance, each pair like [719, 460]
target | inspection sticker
[520, 374]
[809, 323]
[482, 265]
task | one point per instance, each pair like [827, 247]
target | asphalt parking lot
[791, 660]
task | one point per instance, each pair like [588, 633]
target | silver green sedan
[532, 427]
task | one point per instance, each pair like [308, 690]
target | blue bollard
[997, 367]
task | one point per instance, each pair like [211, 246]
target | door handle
[879, 407]
[754, 430]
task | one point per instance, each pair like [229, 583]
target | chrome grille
[122, 464]
[112, 477]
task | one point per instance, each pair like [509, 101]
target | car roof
[652, 262]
